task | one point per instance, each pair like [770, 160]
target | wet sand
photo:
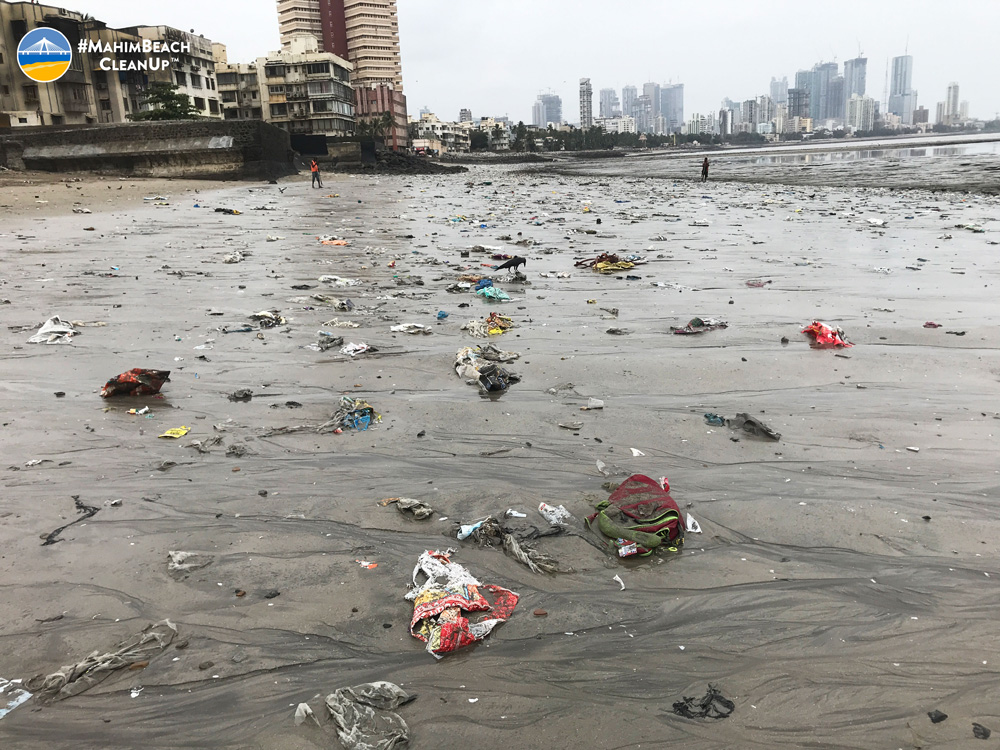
[817, 598]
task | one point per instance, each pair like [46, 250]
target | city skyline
[507, 80]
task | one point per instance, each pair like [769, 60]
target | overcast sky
[495, 57]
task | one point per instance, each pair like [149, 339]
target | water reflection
[848, 155]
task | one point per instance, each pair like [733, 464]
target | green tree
[478, 140]
[388, 123]
[165, 104]
[520, 136]
[498, 135]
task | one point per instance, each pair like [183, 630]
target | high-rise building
[672, 106]
[798, 102]
[538, 114]
[819, 92]
[652, 90]
[751, 114]
[951, 103]
[629, 95]
[902, 98]
[725, 121]
[855, 73]
[644, 114]
[609, 104]
[836, 103]
[963, 111]
[861, 113]
[779, 90]
[465, 115]
[364, 32]
[547, 109]
[765, 109]
[921, 115]
[586, 103]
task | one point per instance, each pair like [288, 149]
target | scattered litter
[639, 516]
[12, 695]
[353, 413]
[355, 349]
[593, 404]
[825, 336]
[700, 325]
[931, 324]
[412, 328]
[692, 525]
[417, 508]
[176, 432]
[54, 331]
[440, 601]
[76, 678]
[236, 256]
[136, 382]
[913, 449]
[181, 563]
[340, 281]
[620, 581]
[980, 732]
[712, 705]
[366, 564]
[744, 421]
[303, 712]
[481, 365]
[636, 452]
[936, 716]
[556, 515]
[365, 718]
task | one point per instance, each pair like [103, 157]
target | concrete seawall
[192, 149]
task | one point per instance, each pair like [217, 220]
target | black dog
[512, 264]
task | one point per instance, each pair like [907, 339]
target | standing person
[314, 168]
[704, 170]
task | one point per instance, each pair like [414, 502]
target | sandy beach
[843, 585]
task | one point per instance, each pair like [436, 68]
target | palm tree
[388, 123]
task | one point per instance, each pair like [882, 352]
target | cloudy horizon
[496, 63]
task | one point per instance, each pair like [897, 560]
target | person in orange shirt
[314, 167]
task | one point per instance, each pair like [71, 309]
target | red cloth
[823, 335]
[136, 382]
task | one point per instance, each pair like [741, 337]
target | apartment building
[302, 89]
[87, 93]
[192, 71]
[444, 137]
[364, 32]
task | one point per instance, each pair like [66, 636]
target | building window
[125, 103]
[6, 91]
[279, 110]
[314, 68]
[227, 79]
[22, 120]
[199, 103]
[181, 78]
[1, 58]
[18, 29]
[195, 81]
[31, 93]
[213, 106]
[276, 89]
[274, 71]
[105, 105]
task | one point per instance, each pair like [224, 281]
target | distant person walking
[704, 170]
[314, 167]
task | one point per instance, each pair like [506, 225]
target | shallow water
[818, 599]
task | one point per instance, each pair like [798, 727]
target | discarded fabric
[712, 705]
[481, 365]
[365, 718]
[54, 331]
[355, 349]
[745, 422]
[353, 414]
[493, 293]
[419, 509]
[411, 328]
[492, 531]
[76, 678]
[441, 600]
[825, 336]
[700, 325]
[136, 382]
[640, 511]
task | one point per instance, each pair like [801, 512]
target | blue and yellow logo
[44, 55]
